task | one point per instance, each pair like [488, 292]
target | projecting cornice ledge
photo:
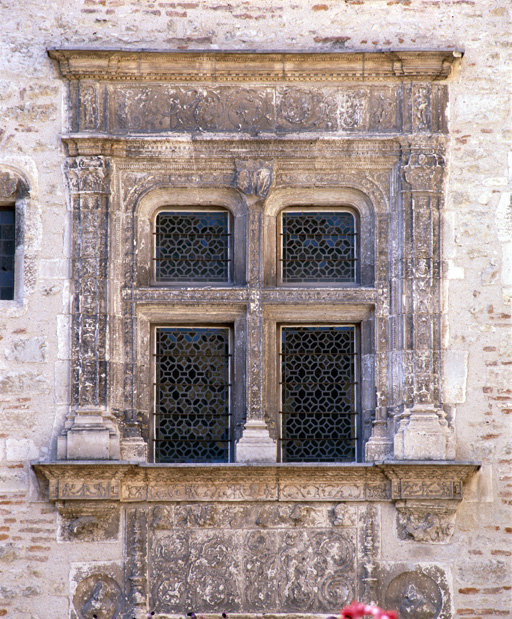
[86, 64]
[127, 482]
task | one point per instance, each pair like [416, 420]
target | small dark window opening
[319, 393]
[7, 251]
[193, 386]
[318, 246]
[193, 246]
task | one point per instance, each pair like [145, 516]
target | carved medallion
[98, 596]
[415, 596]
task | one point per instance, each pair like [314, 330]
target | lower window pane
[318, 393]
[192, 394]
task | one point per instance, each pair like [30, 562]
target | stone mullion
[254, 178]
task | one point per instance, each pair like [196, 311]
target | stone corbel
[426, 497]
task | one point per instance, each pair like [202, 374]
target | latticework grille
[318, 393]
[7, 249]
[192, 246]
[318, 247]
[192, 394]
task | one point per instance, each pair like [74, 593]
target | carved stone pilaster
[90, 432]
[422, 431]
[136, 562]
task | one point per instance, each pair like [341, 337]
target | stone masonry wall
[35, 567]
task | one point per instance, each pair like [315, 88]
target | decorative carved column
[423, 432]
[90, 432]
[254, 179]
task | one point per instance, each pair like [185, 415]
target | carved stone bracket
[423, 521]
[254, 178]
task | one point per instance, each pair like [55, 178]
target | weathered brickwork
[87, 541]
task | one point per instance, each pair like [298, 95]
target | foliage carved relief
[263, 569]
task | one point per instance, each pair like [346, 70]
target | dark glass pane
[192, 395]
[192, 246]
[7, 249]
[318, 247]
[318, 393]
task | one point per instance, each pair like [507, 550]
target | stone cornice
[225, 148]
[259, 67]
[127, 482]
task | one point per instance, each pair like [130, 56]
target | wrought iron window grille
[7, 251]
[193, 246]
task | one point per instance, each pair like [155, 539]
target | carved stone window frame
[152, 316]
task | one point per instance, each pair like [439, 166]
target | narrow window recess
[319, 393]
[318, 246]
[192, 418]
[193, 246]
[7, 251]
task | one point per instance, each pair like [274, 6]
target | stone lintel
[239, 66]
[129, 482]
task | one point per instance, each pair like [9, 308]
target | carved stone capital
[424, 171]
[88, 174]
[424, 521]
[423, 434]
[254, 178]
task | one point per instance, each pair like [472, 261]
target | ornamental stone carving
[418, 595]
[424, 171]
[98, 596]
[254, 178]
[431, 523]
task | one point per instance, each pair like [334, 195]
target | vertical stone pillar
[90, 432]
[254, 179]
[422, 432]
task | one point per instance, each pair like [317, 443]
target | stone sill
[128, 482]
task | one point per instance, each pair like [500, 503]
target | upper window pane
[318, 246]
[193, 246]
[7, 250]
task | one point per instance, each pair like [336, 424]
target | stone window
[7, 251]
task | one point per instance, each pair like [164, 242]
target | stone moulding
[127, 65]
[128, 482]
